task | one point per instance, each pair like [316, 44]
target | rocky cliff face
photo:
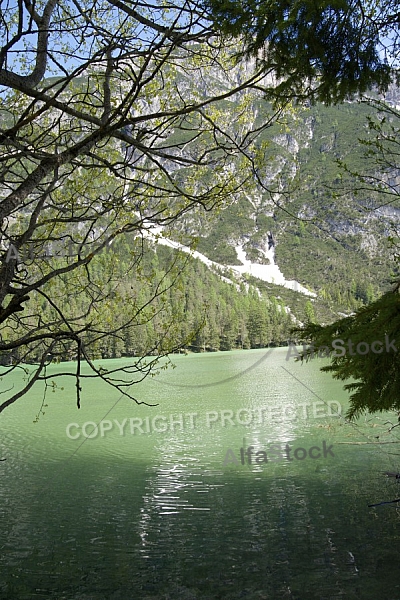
[341, 242]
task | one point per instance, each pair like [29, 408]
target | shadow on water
[115, 529]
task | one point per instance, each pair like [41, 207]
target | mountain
[300, 243]
[339, 253]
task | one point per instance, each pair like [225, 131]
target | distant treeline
[186, 307]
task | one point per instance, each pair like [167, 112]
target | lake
[244, 481]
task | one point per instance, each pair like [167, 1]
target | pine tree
[376, 371]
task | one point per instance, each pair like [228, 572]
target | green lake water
[161, 502]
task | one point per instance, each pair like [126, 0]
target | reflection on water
[159, 515]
